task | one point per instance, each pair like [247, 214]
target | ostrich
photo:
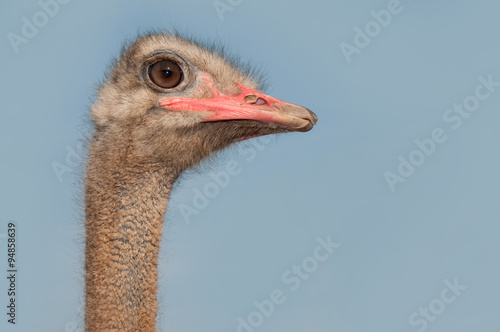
[167, 103]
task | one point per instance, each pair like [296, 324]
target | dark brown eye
[166, 74]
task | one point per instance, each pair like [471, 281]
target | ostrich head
[166, 104]
[169, 98]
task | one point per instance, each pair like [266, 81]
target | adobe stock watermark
[371, 30]
[77, 324]
[292, 279]
[221, 179]
[74, 159]
[223, 6]
[30, 26]
[73, 326]
[424, 316]
[454, 117]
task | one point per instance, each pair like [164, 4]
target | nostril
[254, 99]
[260, 101]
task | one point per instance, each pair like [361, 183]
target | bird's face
[175, 96]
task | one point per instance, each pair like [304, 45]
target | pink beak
[247, 105]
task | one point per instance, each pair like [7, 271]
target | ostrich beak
[247, 105]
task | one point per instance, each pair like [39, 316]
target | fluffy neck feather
[125, 204]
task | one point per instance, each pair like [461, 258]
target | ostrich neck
[125, 204]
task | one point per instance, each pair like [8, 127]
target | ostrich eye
[166, 74]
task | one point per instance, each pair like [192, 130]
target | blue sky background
[397, 248]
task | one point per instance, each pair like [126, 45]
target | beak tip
[314, 117]
[307, 127]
